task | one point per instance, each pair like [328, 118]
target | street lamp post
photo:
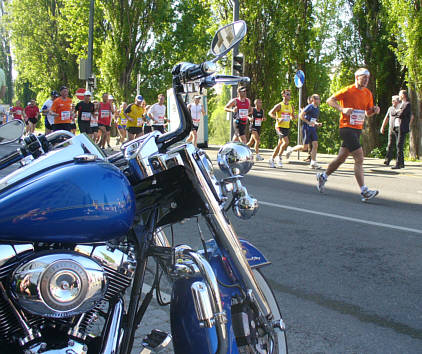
[235, 53]
[89, 82]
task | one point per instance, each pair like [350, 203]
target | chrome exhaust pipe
[113, 333]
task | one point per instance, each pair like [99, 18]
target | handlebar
[11, 158]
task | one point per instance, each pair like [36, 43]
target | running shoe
[258, 157]
[315, 166]
[271, 162]
[289, 152]
[321, 181]
[280, 162]
[368, 194]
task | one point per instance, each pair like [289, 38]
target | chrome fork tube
[112, 334]
[226, 238]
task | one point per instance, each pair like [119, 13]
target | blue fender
[253, 255]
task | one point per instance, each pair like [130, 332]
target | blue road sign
[299, 78]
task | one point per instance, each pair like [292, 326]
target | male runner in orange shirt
[354, 102]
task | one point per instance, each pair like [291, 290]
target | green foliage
[219, 126]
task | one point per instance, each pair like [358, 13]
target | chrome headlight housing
[59, 285]
[235, 158]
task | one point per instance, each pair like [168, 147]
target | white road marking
[336, 216]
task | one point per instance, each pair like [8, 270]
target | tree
[5, 56]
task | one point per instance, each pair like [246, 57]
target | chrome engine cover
[60, 284]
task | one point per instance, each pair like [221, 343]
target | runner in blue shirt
[309, 117]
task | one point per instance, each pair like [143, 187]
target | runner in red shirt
[32, 113]
[18, 112]
[104, 119]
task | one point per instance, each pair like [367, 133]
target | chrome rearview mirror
[11, 131]
[227, 37]
[235, 158]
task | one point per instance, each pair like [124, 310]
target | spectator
[62, 111]
[197, 112]
[49, 118]
[390, 119]
[122, 123]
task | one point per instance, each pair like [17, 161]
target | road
[347, 275]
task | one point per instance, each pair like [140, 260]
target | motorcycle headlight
[59, 285]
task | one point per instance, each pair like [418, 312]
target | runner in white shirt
[197, 112]
[49, 118]
[157, 113]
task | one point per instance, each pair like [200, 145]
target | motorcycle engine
[60, 289]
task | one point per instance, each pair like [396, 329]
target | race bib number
[94, 122]
[160, 120]
[313, 121]
[357, 117]
[105, 114]
[86, 116]
[285, 117]
[258, 122]
[123, 121]
[243, 113]
[65, 115]
[139, 122]
[19, 112]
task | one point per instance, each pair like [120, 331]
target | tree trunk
[415, 143]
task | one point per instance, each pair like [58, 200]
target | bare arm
[384, 122]
[274, 110]
[228, 107]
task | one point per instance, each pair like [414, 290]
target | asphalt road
[347, 275]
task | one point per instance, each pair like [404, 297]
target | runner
[134, 115]
[122, 122]
[18, 112]
[309, 116]
[157, 112]
[197, 112]
[49, 118]
[61, 109]
[355, 102]
[85, 110]
[104, 120]
[32, 113]
[283, 113]
[241, 108]
[94, 122]
[255, 127]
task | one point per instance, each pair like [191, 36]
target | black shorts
[85, 126]
[33, 120]
[107, 127]
[47, 124]
[73, 125]
[195, 127]
[256, 129]
[62, 126]
[147, 129]
[160, 128]
[239, 129]
[282, 132]
[94, 129]
[134, 130]
[350, 138]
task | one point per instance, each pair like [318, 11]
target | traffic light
[238, 64]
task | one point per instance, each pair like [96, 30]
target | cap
[63, 88]
[139, 98]
[241, 89]
[87, 93]
[362, 71]
[54, 93]
[197, 96]
[110, 97]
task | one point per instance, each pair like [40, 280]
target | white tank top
[196, 113]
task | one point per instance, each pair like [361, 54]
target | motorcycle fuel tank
[72, 202]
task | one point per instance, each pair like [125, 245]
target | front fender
[253, 255]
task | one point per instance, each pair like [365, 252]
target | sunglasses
[287, 94]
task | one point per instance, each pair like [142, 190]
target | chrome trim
[81, 284]
[202, 302]
[113, 331]
[226, 237]
[160, 238]
[220, 317]
[64, 152]
[7, 252]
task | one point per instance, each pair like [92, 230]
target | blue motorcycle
[77, 229]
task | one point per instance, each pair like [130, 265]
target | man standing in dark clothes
[85, 110]
[401, 128]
